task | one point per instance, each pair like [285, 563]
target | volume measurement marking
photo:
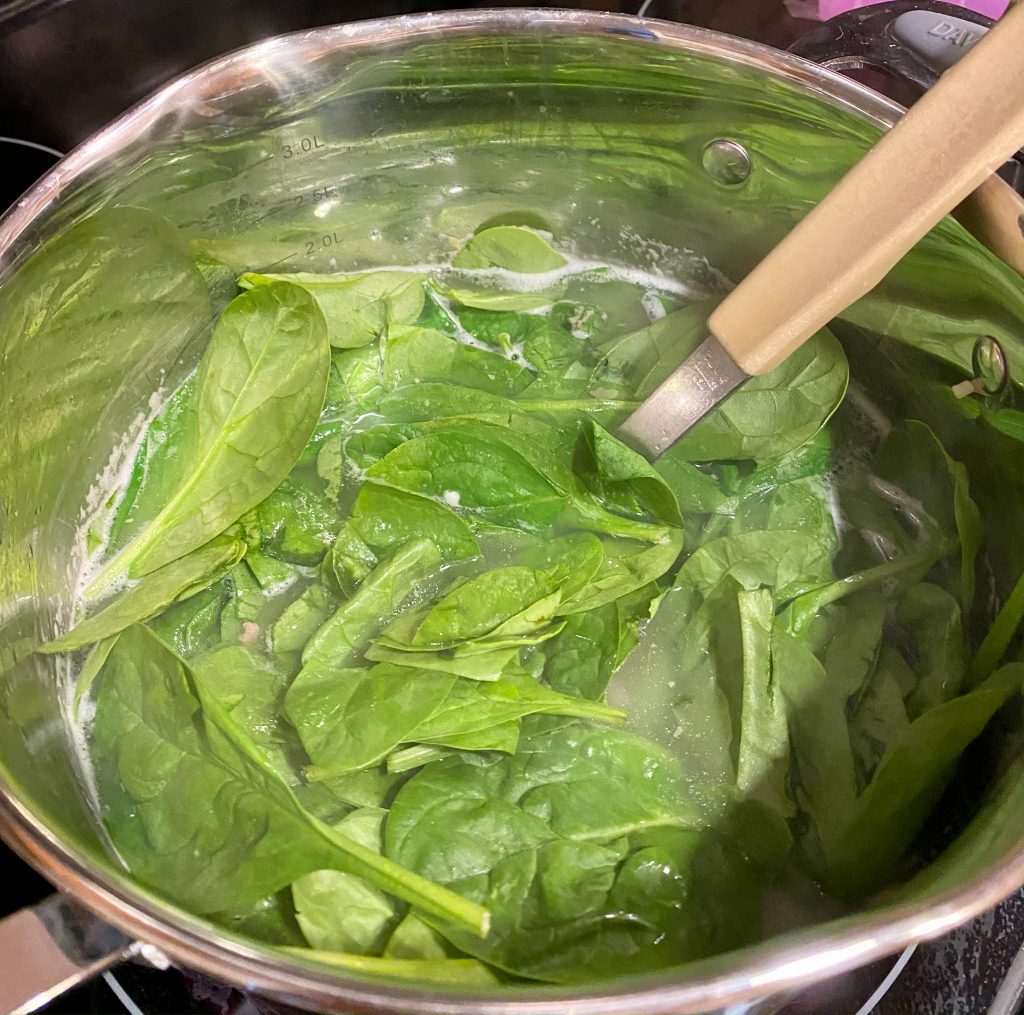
[322, 242]
[302, 146]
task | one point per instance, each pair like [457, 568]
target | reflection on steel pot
[373, 144]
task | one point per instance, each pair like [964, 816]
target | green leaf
[870, 845]
[296, 522]
[639, 361]
[160, 743]
[417, 355]
[459, 971]
[628, 566]
[470, 468]
[193, 625]
[571, 561]
[542, 835]
[506, 600]
[762, 764]
[880, 718]
[352, 718]
[930, 619]
[472, 706]
[153, 593]
[301, 619]
[487, 665]
[926, 494]
[514, 248]
[824, 773]
[992, 649]
[622, 479]
[164, 458]
[787, 560]
[357, 308]
[341, 912]
[776, 412]
[496, 299]
[351, 628]
[260, 389]
[413, 939]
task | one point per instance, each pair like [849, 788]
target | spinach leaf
[768, 417]
[301, 619]
[250, 687]
[354, 385]
[583, 656]
[341, 912]
[414, 355]
[193, 626]
[165, 455]
[502, 300]
[930, 619]
[762, 764]
[880, 717]
[847, 637]
[787, 560]
[514, 248]
[628, 567]
[824, 771]
[482, 665]
[776, 412]
[261, 385]
[351, 718]
[913, 463]
[502, 737]
[472, 706]
[153, 593]
[296, 522]
[383, 519]
[357, 308]
[870, 846]
[512, 600]
[413, 939]
[636, 363]
[161, 742]
[622, 479]
[458, 971]
[473, 468]
[501, 477]
[568, 784]
[349, 630]
[571, 561]
[695, 491]
[543, 836]
[992, 649]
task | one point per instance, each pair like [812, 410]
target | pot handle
[912, 41]
[49, 948]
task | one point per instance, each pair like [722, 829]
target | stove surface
[52, 96]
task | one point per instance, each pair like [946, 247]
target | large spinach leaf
[153, 593]
[261, 385]
[514, 248]
[357, 308]
[161, 742]
[588, 849]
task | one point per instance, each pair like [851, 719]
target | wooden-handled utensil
[956, 136]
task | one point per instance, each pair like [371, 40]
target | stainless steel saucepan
[640, 143]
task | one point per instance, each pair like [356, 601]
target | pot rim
[756, 972]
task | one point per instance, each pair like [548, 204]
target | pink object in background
[822, 10]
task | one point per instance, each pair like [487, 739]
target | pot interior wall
[326, 154]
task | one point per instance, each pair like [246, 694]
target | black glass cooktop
[55, 89]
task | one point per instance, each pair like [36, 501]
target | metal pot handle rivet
[727, 162]
[990, 366]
